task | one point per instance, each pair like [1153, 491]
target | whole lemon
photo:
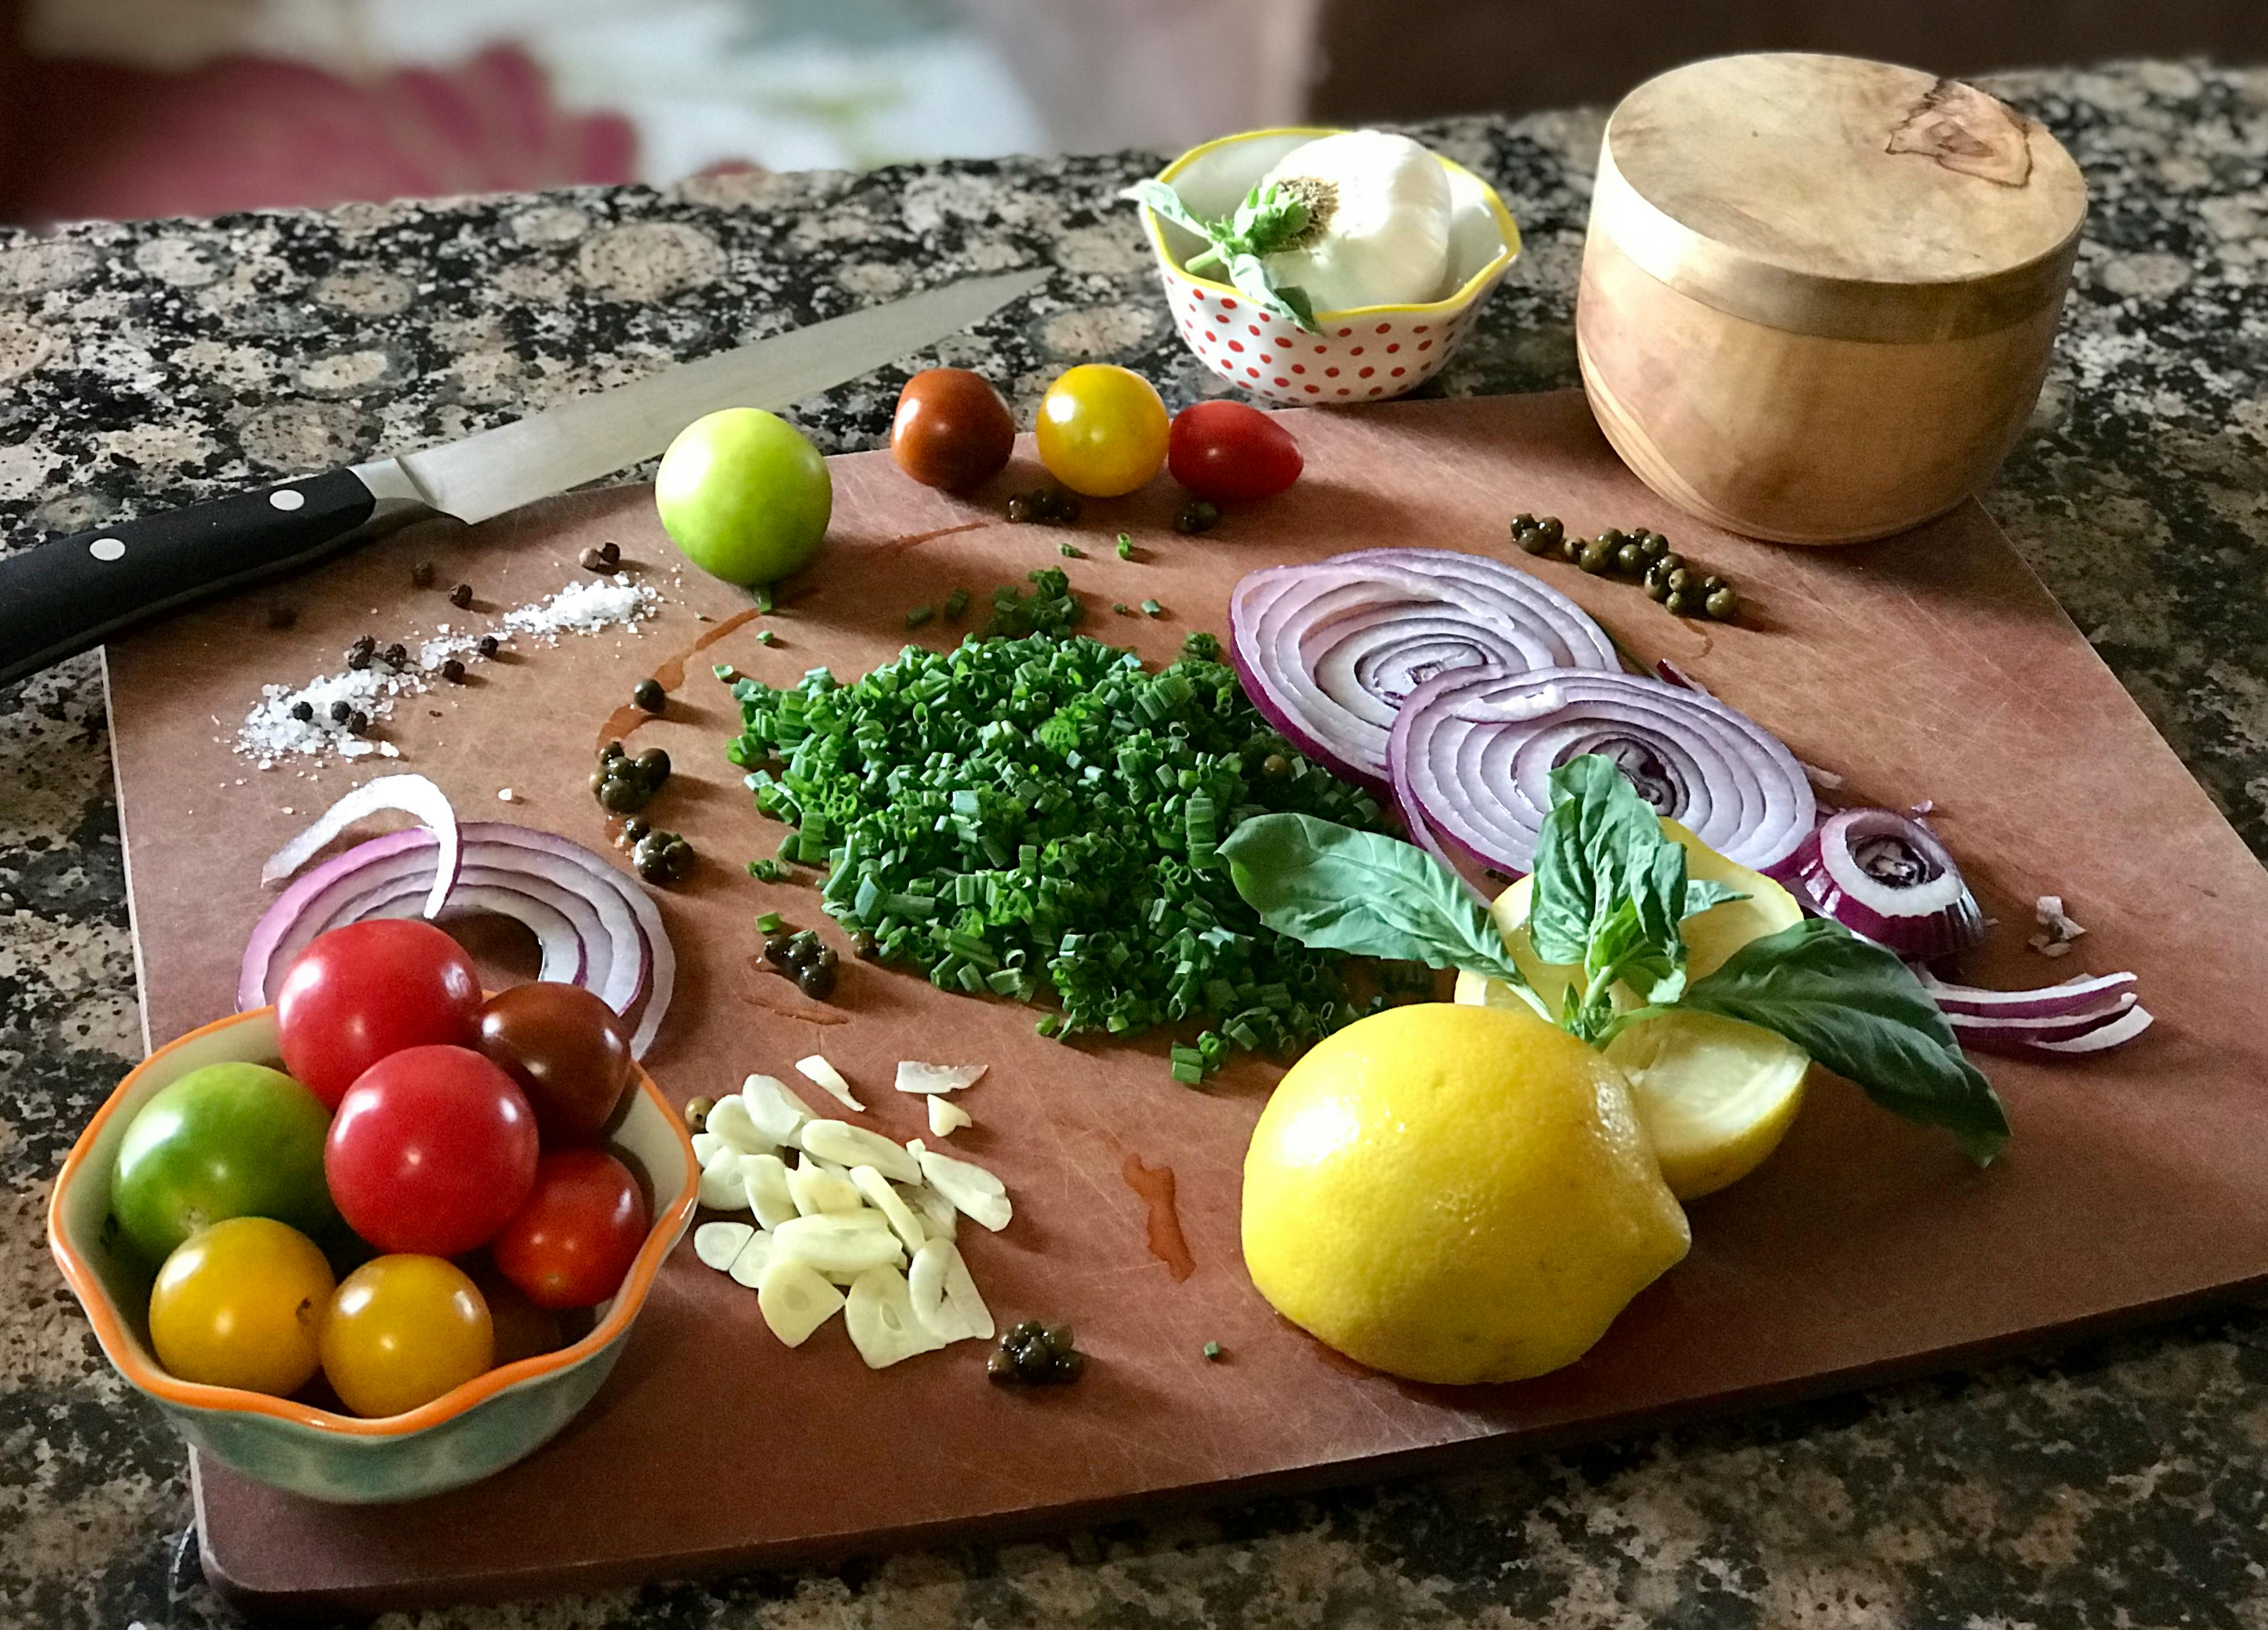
[1455, 1194]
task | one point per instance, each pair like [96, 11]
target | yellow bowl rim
[1466, 293]
[120, 1347]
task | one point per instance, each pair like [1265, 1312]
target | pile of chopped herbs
[1033, 814]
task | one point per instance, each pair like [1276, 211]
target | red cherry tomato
[360, 992]
[569, 1245]
[566, 1051]
[432, 1150]
[1232, 454]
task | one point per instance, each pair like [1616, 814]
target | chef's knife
[70, 592]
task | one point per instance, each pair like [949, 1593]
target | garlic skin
[1383, 235]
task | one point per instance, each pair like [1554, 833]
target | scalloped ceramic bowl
[460, 1437]
[1366, 353]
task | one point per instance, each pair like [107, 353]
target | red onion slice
[1328, 653]
[612, 937]
[1886, 878]
[1474, 750]
[2079, 1016]
[2096, 994]
[411, 793]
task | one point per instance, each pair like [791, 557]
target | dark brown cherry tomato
[953, 430]
[566, 1050]
[569, 1245]
[1232, 454]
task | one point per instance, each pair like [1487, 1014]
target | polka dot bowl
[1368, 353]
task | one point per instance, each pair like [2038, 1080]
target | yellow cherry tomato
[241, 1304]
[1102, 429]
[403, 1331]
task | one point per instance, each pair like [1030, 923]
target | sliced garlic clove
[829, 1079]
[876, 1188]
[833, 1168]
[840, 1244]
[854, 1145]
[722, 1188]
[716, 1244]
[945, 1117]
[730, 1121]
[935, 1211]
[816, 1191]
[705, 1146]
[879, 1316]
[770, 1197]
[755, 1256]
[794, 1299]
[975, 1192]
[778, 1114]
[944, 1295]
[914, 1077]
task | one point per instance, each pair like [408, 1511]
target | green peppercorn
[1597, 554]
[653, 767]
[1534, 540]
[1522, 522]
[1571, 547]
[696, 1113]
[1669, 560]
[620, 794]
[1630, 558]
[1275, 766]
[1678, 579]
[1653, 545]
[777, 949]
[613, 750]
[816, 980]
[648, 694]
[1551, 530]
[865, 946]
[1722, 604]
[1679, 602]
[1712, 583]
[1019, 507]
[661, 857]
[1196, 515]
[636, 827]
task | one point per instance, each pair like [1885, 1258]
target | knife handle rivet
[107, 549]
[287, 498]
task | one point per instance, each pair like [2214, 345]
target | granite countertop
[147, 364]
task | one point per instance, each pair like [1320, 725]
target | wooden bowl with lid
[1819, 294]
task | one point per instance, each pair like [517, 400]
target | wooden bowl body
[1796, 438]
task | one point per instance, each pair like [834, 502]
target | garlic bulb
[1377, 226]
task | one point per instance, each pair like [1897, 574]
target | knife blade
[70, 593]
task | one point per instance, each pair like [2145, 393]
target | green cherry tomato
[241, 1304]
[227, 1140]
[744, 496]
[1102, 429]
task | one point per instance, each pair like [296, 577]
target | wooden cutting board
[1931, 666]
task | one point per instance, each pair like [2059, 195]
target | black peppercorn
[1019, 507]
[397, 656]
[453, 671]
[662, 857]
[619, 794]
[613, 750]
[488, 645]
[610, 552]
[865, 946]
[461, 595]
[303, 711]
[422, 574]
[649, 695]
[358, 653]
[339, 711]
[358, 722]
[777, 949]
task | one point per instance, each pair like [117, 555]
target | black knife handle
[67, 594]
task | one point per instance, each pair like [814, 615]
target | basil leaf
[1253, 280]
[1334, 887]
[1166, 201]
[1860, 1011]
[1701, 893]
[1597, 843]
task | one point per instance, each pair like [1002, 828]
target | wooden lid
[1829, 195]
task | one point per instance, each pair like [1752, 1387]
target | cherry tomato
[402, 1331]
[566, 1050]
[952, 430]
[432, 1150]
[1101, 430]
[569, 1245]
[1232, 452]
[240, 1304]
[522, 1329]
[227, 1140]
[360, 992]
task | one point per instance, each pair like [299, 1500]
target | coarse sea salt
[270, 735]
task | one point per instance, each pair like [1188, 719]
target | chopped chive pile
[1125, 546]
[765, 637]
[955, 603]
[919, 615]
[1070, 551]
[764, 599]
[1152, 608]
[1037, 817]
[1212, 1350]
[771, 922]
[767, 870]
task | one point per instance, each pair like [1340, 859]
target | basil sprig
[1268, 221]
[1609, 894]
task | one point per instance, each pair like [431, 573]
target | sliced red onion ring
[1328, 653]
[1473, 750]
[2092, 994]
[1886, 878]
[613, 934]
[412, 793]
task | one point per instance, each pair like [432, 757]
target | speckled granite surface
[2127, 1483]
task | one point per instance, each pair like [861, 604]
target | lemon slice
[1715, 1095]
